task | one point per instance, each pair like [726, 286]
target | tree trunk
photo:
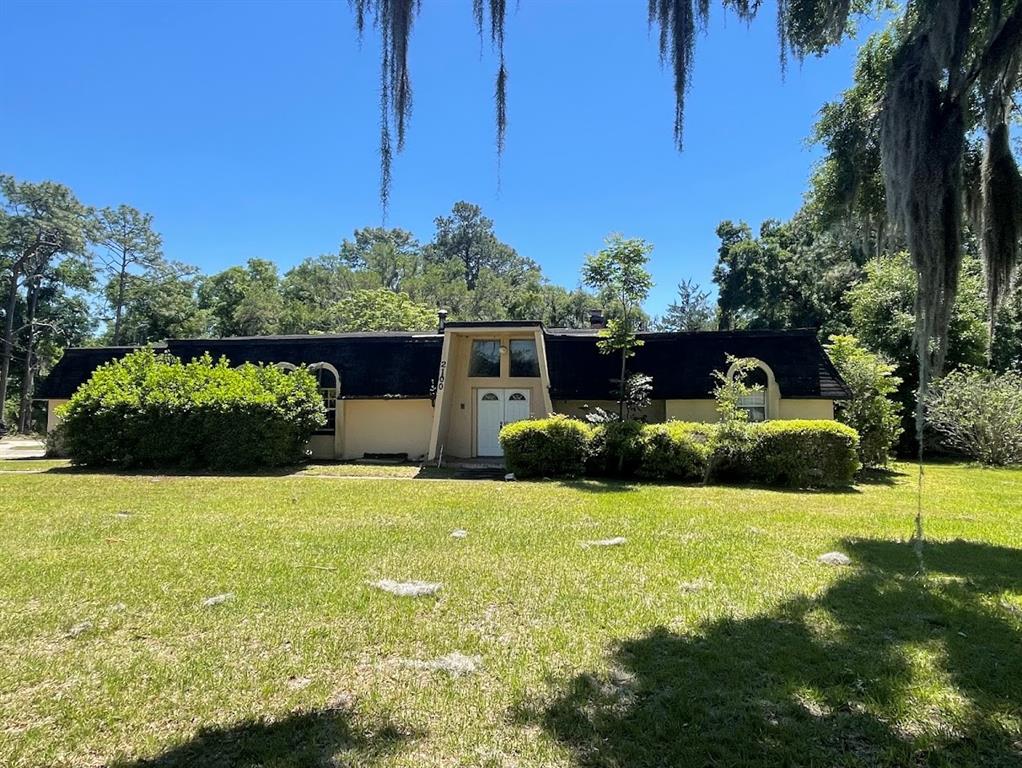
[28, 381]
[122, 278]
[621, 389]
[8, 338]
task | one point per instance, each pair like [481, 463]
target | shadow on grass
[598, 485]
[302, 739]
[883, 669]
[880, 477]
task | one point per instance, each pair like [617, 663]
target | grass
[712, 637]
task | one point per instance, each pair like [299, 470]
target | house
[447, 394]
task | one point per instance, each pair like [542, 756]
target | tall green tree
[391, 256]
[618, 274]
[162, 303]
[42, 223]
[243, 301]
[690, 311]
[129, 242]
[380, 309]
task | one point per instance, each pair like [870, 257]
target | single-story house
[447, 394]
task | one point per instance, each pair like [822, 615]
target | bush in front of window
[149, 410]
[677, 450]
[553, 447]
[799, 453]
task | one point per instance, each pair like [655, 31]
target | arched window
[490, 396]
[329, 384]
[756, 404]
[286, 366]
[516, 396]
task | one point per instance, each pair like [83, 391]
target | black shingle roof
[74, 368]
[682, 364]
[370, 364]
[406, 364]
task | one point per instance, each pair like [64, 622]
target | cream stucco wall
[691, 410]
[386, 426]
[457, 431]
[778, 408]
[654, 414]
[52, 420]
[806, 409]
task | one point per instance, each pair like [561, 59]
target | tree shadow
[879, 477]
[598, 485]
[302, 739]
[885, 668]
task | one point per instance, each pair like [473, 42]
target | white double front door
[495, 408]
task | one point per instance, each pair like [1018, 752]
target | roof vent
[596, 319]
[441, 316]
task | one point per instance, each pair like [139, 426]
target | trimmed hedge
[553, 447]
[803, 453]
[677, 450]
[149, 410]
[796, 453]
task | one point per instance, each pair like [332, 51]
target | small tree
[690, 311]
[732, 438]
[979, 413]
[871, 411]
[618, 273]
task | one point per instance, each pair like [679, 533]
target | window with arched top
[489, 396]
[756, 404]
[518, 396]
[329, 384]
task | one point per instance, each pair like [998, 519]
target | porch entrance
[496, 407]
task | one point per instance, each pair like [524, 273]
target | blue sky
[251, 129]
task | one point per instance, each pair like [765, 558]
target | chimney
[441, 316]
[596, 319]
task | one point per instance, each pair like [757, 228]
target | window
[485, 360]
[328, 391]
[517, 397]
[754, 403]
[523, 358]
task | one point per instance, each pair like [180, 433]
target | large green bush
[149, 410]
[677, 450]
[872, 410]
[553, 447]
[979, 413]
[802, 453]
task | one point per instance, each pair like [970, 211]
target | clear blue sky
[250, 129]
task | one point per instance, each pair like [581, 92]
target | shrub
[871, 411]
[800, 453]
[676, 450]
[616, 448]
[149, 410]
[979, 413]
[555, 447]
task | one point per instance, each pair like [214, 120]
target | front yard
[712, 635]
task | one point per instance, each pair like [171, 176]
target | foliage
[553, 447]
[690, 311]
[799, 453]
[616, 448]
[129, 240]
[149, 410]
[381, 310]
[883, 319]
[871, 411]
[618, 273]
[243, 301]
[979, 413]
[676, 450]
[793, 275]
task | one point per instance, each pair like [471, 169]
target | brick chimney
[596, 319]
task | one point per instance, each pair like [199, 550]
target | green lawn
[711, 637]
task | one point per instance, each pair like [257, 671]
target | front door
[494, 408]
